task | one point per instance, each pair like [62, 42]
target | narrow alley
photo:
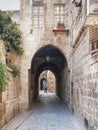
[49, 45]
[49, 113]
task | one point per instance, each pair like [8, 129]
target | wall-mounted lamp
[48, 58]
[77, 4]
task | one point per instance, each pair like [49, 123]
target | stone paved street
[48, 114]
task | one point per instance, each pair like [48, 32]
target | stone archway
[50, 58]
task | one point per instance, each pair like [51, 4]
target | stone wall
[15, 16]
[32, 42]
[12, 97]
[9, 99]
[85, 82]
[81, 62]
[65, 83]
[51, 82]
[9, 104]
[83, 66]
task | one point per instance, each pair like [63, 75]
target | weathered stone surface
[9, 99]
[78, 80]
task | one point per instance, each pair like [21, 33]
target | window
[38, 16]
[59, 11]
[94, 38]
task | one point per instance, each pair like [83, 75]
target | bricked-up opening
[50, 58]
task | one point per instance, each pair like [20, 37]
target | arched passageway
[50, 58]
[50, 80]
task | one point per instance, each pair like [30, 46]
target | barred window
[38, 16]
[59, 12]
[93, 38]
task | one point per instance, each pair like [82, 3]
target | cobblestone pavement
[48, 114]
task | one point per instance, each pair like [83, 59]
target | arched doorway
[50, 58]
[48, 76]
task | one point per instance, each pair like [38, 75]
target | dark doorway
[86, 123]
[41, 83]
